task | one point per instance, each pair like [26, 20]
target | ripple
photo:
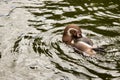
[38, 51]
[63, 57]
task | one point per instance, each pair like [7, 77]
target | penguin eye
[73, 32]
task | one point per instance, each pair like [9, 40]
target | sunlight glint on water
[31, 46]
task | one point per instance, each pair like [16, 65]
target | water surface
[31, 47]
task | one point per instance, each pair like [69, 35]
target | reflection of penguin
[73, 36]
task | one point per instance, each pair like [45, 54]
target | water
[30, 39]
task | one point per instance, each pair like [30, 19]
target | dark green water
[30, 39]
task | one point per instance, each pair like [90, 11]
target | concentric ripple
[33, 48]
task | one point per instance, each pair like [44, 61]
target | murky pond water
[30, 39]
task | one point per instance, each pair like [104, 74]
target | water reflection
[37, 51]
